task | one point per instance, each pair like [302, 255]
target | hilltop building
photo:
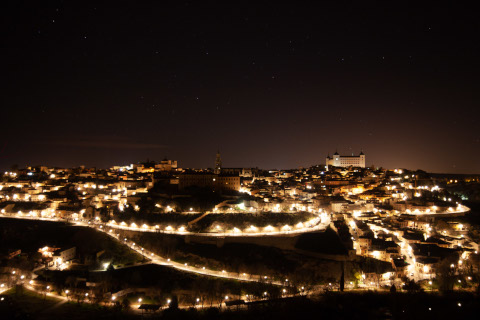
[346, 161]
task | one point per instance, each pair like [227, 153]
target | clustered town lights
[355, 218]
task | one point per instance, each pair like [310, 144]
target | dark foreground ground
[370, 305]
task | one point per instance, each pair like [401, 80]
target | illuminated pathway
[320, 222]
[66, 297]
[156, 259]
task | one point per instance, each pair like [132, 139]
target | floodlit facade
[346, 161]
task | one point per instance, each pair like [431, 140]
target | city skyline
[269, 86]
[229, 160]
[234, 164]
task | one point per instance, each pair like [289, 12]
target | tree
[412, 287]
[125, 304]
[445, 274]
[342, 278]
[393, 289]
[173, 303]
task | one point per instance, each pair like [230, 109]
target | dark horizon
[270, 86]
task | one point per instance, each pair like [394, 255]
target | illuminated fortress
[346, 161]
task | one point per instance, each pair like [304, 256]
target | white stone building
[346, 161]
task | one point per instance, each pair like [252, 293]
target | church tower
[218, 164]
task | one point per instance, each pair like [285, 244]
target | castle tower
[218, 164]
[362, 159]
[336, 159]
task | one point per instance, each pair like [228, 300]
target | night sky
[270, 86]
